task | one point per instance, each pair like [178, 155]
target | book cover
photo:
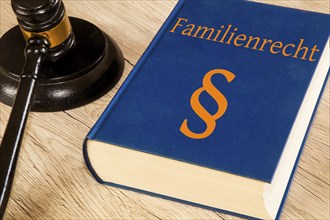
[229, 86]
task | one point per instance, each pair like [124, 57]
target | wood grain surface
[52, 180]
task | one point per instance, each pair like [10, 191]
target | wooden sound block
[85, 73]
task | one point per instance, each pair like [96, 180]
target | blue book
[216, 111]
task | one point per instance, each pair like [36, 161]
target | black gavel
[66, 62]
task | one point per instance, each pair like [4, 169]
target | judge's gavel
[66, 62]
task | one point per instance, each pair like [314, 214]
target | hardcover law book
[216, 111]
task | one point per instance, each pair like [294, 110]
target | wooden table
[52, 180]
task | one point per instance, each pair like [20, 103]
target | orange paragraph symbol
[210, 120]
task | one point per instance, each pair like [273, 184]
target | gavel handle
[36, 51]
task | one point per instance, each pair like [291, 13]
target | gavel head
[80, 67]
[48, 19]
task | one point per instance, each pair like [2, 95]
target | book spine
[88, 163]
[136, 69]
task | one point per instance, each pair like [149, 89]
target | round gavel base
[87, 72]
